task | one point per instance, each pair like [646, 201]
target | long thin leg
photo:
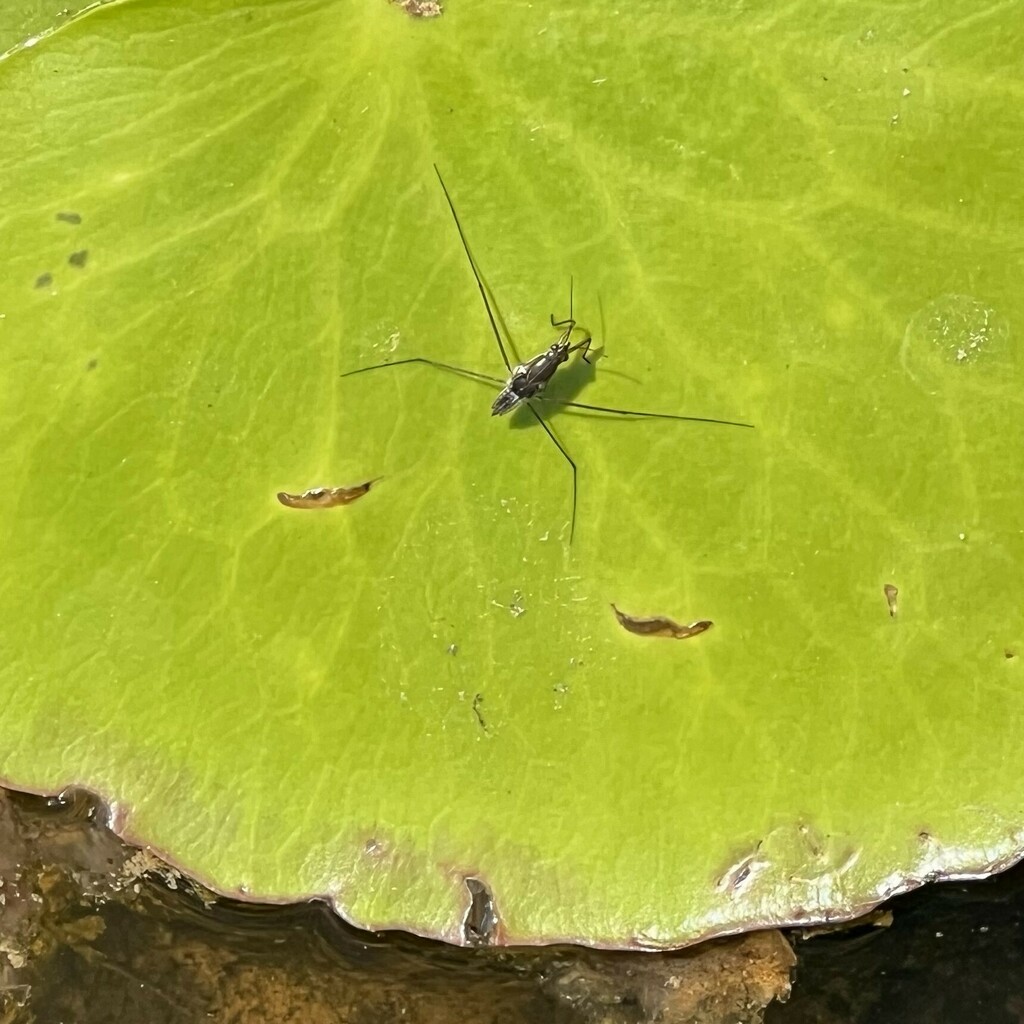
[568, 458]
[643, 415]
[447, 367]
[476, 274]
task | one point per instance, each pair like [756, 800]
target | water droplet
[954, 331]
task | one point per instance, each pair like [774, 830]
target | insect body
[526, 382]
[529, 379]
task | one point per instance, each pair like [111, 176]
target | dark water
[954, 954]
[94, 933]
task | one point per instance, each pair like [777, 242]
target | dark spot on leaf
[420, 8]
[477, 702]
[1009, 653]
[77, 259]
[325, 497]
[736, 875]
[661, 627]
[44, 280]
[92, 364]
[891, 593]
[481, 920]
[69, 217]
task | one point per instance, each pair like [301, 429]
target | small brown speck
[77, 259]
[44, 280]
[891, 593]
[1009, 654]
[69, 217]
[477, 704]
[92, 364]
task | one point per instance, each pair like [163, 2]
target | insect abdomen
[505, 401]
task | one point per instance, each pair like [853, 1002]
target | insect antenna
[583, 345]
[476, 273]
[447, 367]
[569, 323]
[568, 458]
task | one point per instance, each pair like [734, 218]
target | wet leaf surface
[809, 220]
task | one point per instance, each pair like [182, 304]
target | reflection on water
[93, 931]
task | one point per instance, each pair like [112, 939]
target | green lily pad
[806, 220]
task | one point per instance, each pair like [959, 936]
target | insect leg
[583, 346]
[476, 274]
[568, 458]
[642, 415]
[447, 367]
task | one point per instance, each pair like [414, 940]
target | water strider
[527, 381]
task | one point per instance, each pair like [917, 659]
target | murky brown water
[92, 931]
[95, 932]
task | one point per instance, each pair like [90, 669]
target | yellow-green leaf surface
[804, 216]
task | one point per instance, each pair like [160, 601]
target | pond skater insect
[526, 381]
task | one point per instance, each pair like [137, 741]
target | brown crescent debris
[891, 593]
[661, 627]
[325, 497]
